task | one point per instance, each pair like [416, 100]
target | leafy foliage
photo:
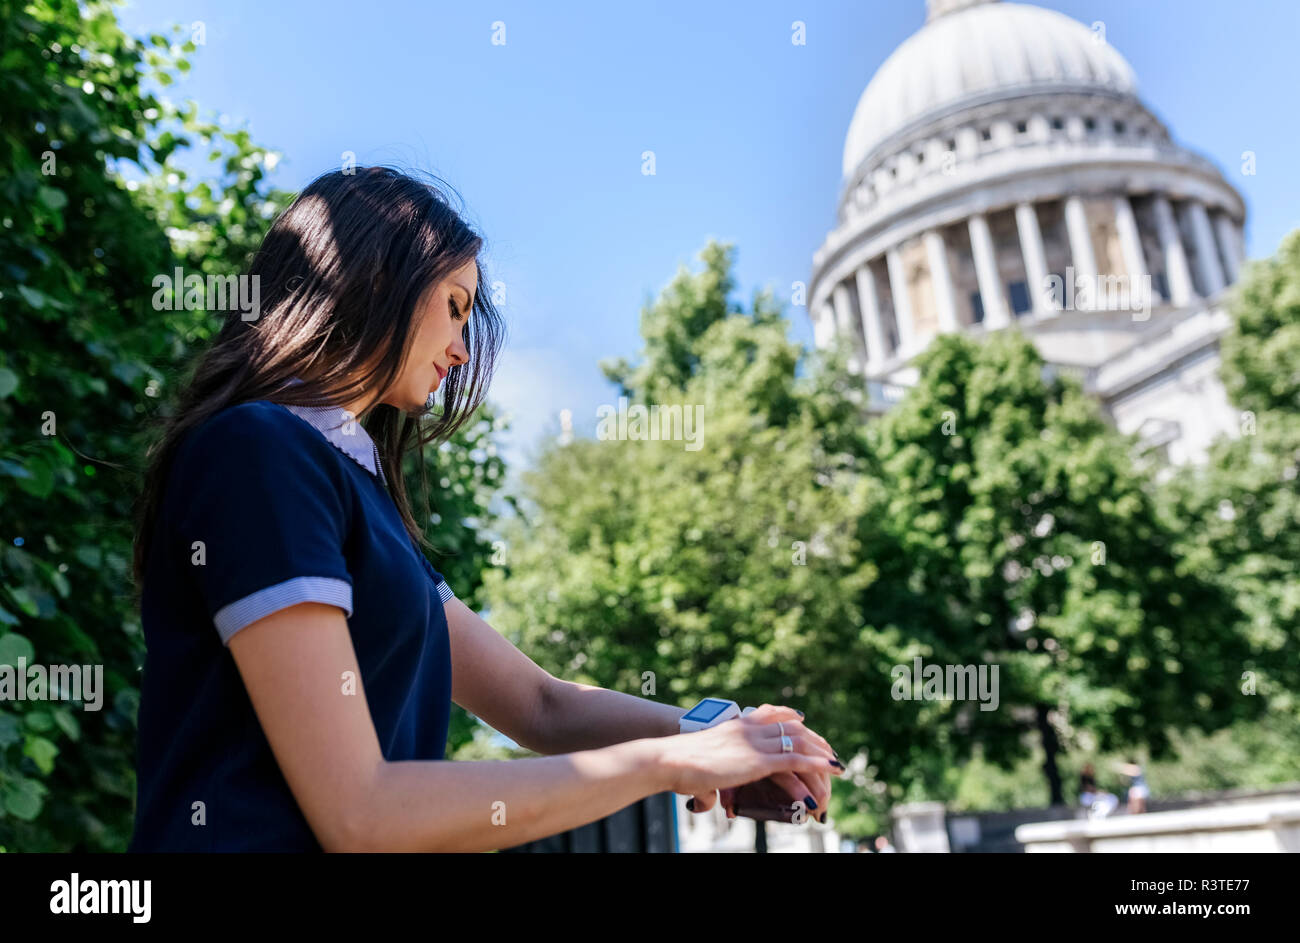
[1034, 542]
[678, 561]
[992, 518]
[96, 201]
[1243, 506]
[78, 350]
[1261, 370]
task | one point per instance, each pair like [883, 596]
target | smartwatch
[708, 713]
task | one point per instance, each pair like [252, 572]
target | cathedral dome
[974, 51]
[999, 155]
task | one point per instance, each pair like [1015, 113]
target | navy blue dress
[264, 509]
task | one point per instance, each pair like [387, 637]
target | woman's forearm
[583, 717]
[485, 805]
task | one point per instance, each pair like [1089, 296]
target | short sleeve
[444, 591]
[261, 516]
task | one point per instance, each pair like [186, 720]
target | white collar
[343, 431]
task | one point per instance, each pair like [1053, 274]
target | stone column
[844, 324]
[1084, 259]
[936, 254]
[1207, 253]
[1031, 247]
[996, 313]
[1130, 243]
[872, 328]
[823, 326]
[1227, 234]
[902, 300]
[1176, 270]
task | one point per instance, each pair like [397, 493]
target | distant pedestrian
[883, 847]
[1137, 786]
[1099, 804]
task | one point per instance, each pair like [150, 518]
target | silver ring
[787, 745]
[780, 728]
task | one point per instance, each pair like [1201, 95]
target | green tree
[1243, 505]
[77, 354]
[1261, 354]
[992, 518]
[732, 565]
[97, 200]
[1033, 541]
[678, 569]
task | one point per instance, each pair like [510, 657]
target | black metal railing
[648, 826]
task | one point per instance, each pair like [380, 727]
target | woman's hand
[800, 787]
[746, 749]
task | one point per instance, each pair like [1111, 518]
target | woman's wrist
[672, 722]
[653, 758]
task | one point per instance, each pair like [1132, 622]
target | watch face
[706, 710]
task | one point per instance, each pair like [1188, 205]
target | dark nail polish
[690, 803]
[823, 818]
[836, 763]
[808, 801]
[800, 713]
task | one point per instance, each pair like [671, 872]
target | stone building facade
[1001, 169]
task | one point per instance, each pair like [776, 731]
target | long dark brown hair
[340, 273]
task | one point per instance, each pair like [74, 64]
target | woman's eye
[455, 312]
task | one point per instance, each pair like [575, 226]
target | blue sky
[542, 137]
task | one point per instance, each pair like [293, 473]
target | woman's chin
[413, 407]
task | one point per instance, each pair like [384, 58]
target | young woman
[302, 653]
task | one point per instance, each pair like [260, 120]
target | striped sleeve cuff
[445, 593]
[243, 612]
